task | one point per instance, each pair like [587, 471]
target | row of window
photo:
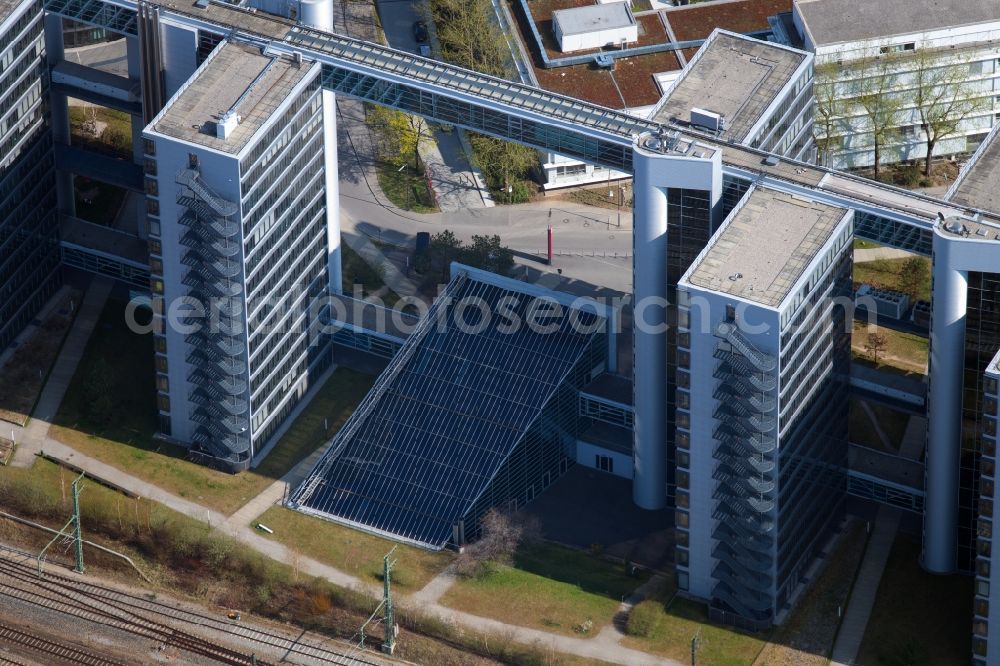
[15, 31]
[984, 539]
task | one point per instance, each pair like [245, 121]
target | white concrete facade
[659, 165]
[594, 26]
[970, 46]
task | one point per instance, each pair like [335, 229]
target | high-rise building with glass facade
[986, 637]
[29, 247]
[763, 353]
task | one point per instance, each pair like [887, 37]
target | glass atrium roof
[447, 412]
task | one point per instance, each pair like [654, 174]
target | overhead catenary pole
[76, 534]
[388, 615]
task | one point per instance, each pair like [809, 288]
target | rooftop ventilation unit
[711, 120]
[226, 125]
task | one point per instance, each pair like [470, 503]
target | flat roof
[765, 246]
[237, 77]
[977, 186]
[8, 7]
[733, 75]
[836, 21]
[583, 20]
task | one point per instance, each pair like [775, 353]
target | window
[160, 344]
[683, 459]
[681, 519]
[684, 339]
[683, 500]
[157, 286]
[155, 247]
[152, 206]
[149, 167]
[156, 266]
[683, 582]
[163, 402]
[682, 557]
[683, 479]
[149, 147]
[683, 399]
[730, 313]
[982, 588]
[604, 463]
[151, 186]
[162, 383]
[161, 363]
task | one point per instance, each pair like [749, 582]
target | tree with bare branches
[944, 98]
[876, 344]
[880, 105]
[830, 109]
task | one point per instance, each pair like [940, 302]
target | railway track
[60, 651]
[146, 617]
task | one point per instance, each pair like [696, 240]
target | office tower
[763, 362]
[236, 166]
[29, 246]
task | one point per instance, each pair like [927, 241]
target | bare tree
[470, 36]
[830, 108]
[944, 98]
[876, 343]
[881, 106]
[500, 536]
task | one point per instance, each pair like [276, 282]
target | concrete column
[649, 444]
[334, 269]
[59, 112]
[944, 410]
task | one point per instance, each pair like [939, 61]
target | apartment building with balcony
[237, 165]
[761, 423]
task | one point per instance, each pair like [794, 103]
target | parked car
[420, 31]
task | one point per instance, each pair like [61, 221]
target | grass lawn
[806, 638]
[126, 441]
[682, 619]
[405, 188]
[893, 424]
[861, 244]
[351, 550]
[919, 618]
[887, 274]
[549, 587]
[23, 375]
[904, 351]
[114, 129]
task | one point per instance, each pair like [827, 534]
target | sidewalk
[862, 600]
[31, 437]
[876, 253]
[597, 648]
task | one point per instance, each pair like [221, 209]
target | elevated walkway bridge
[521, 113]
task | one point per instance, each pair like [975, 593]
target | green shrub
[644, 618]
